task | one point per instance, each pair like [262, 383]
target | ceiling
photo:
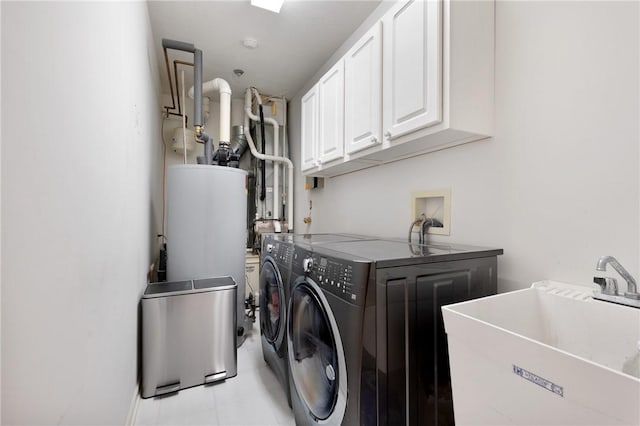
[292, 45]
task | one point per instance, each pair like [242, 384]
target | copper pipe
[175, 72]
[173, 102]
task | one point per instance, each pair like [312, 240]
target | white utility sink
[546, 355]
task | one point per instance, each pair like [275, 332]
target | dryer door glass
[314, 359]
[271, 302]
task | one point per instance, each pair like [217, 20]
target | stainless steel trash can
[188, 334]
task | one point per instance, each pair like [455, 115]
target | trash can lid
[168, 287]
[176, 288]
[216, 282]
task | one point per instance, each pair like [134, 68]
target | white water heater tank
[206, 224]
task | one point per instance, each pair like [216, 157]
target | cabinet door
[309, 132]
[416, 386]
[331, 114]
[412, 70]
[363, 92]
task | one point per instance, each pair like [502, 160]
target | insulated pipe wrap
[249, 115]
[197, 83]
[208, 148]
[178, 45]
[263, 172]
[276, 153]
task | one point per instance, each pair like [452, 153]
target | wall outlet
[434, 205]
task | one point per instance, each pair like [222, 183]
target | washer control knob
[307, 264]
[269, 248]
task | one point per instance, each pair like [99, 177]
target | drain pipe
[249, 115]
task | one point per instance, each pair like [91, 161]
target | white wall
[0, 225]
[80, 190]
[558, 185]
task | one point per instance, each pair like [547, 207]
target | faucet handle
[607, 285]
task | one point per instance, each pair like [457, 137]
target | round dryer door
[272, 303]
[316, 355]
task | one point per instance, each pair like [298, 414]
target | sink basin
[547, 355]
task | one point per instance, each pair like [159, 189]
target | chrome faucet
[632, 289]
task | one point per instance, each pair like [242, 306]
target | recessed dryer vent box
[434, 205]
[313, 183]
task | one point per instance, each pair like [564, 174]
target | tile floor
[253, 397]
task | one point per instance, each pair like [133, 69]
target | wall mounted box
[434, 205]
[188, 334]
[313, 182]
[435, 89]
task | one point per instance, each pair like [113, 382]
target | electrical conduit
[249, 115]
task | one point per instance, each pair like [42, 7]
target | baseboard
[133, 407]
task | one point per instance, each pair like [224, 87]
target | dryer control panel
[341, 277]
[282, 252]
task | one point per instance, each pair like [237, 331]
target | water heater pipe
[220, 85]
[249, 115]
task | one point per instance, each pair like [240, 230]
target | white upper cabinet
[309, 128]
[363, 92]
[331, 114]
[412, 67]
[421, 79]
